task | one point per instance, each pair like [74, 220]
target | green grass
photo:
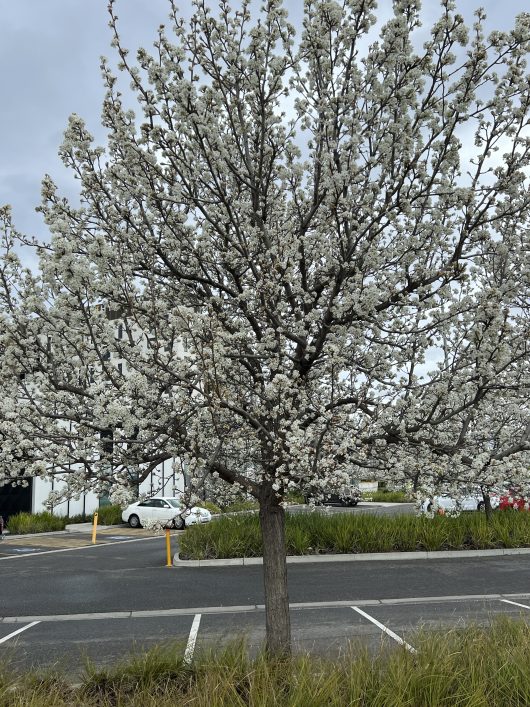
[317, 533]
[294, 497]
[387, 496]
[45, 522]
[475, 667]
[238, 506]
[209, 505]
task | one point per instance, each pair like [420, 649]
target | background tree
[313, 221]
[471, 415]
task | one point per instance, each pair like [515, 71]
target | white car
[471, 502]
[166, 510]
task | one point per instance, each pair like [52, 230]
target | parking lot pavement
[33, 544]
[67, 642]
[67, 645]
[332, 631]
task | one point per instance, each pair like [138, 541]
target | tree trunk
[487, 505]
[278, 621]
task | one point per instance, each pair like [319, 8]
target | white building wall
[87, 503]
[163, 481]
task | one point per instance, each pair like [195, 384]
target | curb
[358, 557]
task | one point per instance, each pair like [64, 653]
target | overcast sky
[50, 53]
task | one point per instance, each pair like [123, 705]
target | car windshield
[173, 502]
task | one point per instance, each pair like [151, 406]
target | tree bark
[487, 505]
[278, 621]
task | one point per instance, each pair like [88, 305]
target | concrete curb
[231, 609]
[358, 557]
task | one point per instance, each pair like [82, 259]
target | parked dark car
[347, 496]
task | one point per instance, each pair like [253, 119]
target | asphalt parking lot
[54, 542]
[65, 600]
[67, 642]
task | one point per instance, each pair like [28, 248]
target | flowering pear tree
[280, 267]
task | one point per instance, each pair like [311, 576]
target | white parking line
[515, 603]
[385, 629]
[19, 630]
[190, 648]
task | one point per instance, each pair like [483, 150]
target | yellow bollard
[94, 528]
[169, 563]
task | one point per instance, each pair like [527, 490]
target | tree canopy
[304, 258]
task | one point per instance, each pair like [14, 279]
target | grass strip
[476, 667]
[324, 533]
[387, 496]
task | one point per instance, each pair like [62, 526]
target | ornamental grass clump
[143, 674]
[27, 523]
[486, 666]
[433, 534]
[324, 533]
[24, 523]
[228, 536]
[297, 539]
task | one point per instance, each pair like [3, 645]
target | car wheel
[134, 521]
[179, 523]
[481, 507]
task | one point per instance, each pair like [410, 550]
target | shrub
[109, 515]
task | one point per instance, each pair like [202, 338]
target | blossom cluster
[284, 300]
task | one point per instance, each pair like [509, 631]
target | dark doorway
[14, 499]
